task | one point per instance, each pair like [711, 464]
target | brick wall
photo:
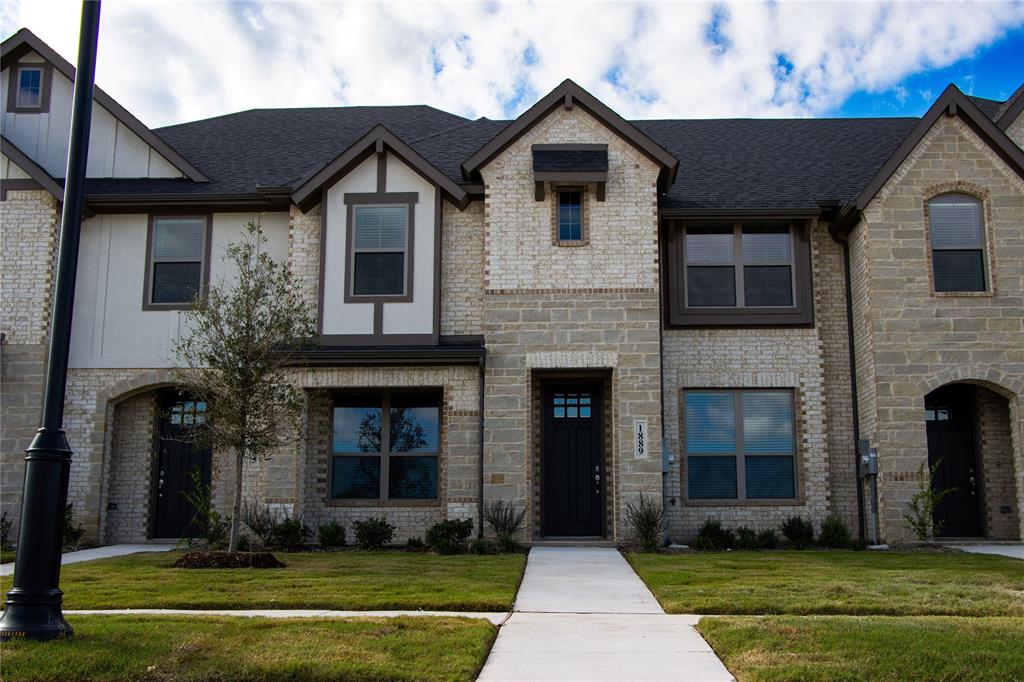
[1016, 131]
[911, 340]
[995, 444]
[462, 269]
[130, 469]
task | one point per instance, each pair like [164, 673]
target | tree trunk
[236, 507]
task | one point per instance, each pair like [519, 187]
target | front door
[949, 417]
[572, 477]
[178, 461]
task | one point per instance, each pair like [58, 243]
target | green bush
[746, 538]
[767, 539]
[416, 545]
[506, 519]
[646, 522]
[373, 533]
[481, 546]
[331, 534]
[799, 532]
[5, 531]
[213, 528]
[289, 534]
[713, 536]
[834, 533]
[450, 536]
[72, 533]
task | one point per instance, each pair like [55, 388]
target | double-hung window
[29, 88]
[177, 262]
[750, 272]
[740, 444]
[958, 246]
[380, 250]
[385, 446]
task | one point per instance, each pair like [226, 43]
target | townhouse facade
[565, 311]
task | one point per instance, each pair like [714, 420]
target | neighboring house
[539, 309]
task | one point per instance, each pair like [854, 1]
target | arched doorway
[953, 449]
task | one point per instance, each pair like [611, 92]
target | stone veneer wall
[912, 340]
[28, 242]
[1016, 131]
[593, 309]
[995, 445]
[304, 253]
[130, 469]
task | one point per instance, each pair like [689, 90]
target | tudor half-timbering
[564, 311]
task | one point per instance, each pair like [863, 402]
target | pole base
[35, 617]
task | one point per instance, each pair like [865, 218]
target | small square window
[570, 215]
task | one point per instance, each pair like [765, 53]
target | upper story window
[380, 246]
[29, 89]
[386, 446]
[177, 263]
[755, 272]
[570, 215]
[958, 243]
[740, 445]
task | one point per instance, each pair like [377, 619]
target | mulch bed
[228, 560]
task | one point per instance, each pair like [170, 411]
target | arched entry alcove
[971, 445]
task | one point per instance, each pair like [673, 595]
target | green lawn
[6, 557]
[315, 580]
[835, 582]
[868, 648]
[172, 648]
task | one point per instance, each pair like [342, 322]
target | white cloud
[173, 61]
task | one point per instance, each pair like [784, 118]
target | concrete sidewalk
[98, 553]
[1012, 550]
[583, 614]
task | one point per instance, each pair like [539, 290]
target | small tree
[922, 505]
[240, 336]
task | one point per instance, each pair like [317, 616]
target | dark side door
[573, 477]
[949, 417]
[177, 459]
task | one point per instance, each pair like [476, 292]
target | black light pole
[33, 603]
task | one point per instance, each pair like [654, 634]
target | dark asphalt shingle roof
[989, 107]
[724, 163]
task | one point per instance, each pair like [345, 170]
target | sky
[169, 62]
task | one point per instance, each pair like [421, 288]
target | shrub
[834, 533]
[244, 544]
[713, 536]
[746, 538]
[415, 545]
[450, 536]
[373, 533]
[799, 532]
[72, 533]
[213, 528]
[767, 539]
[506, 519]
[260, 520]
[331, 534]
[922, 505]
[5, 531]
[289, 534]
[646, 522]
[481, 546]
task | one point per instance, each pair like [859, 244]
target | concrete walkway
[1015, 551]
[97, 553]
[583, 614]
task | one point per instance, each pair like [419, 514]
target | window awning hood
[570, 162]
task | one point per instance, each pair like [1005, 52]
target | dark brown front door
[949, 416]
[177, 459]
[573, 476]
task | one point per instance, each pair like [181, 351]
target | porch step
[574, 542]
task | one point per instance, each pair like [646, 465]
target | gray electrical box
[668, 458]
[868, 459]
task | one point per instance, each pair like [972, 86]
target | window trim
[45, 81]
[556, 192]
[204, 269]
[407, 200]
[385, 395]
[986, 263]
[801, 313]
[740, 453]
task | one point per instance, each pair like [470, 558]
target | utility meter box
[868, 459]
[668, 458]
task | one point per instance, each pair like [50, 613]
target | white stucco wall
[114, 150]
[110, 328]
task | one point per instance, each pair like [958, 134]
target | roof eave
[34, 170]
